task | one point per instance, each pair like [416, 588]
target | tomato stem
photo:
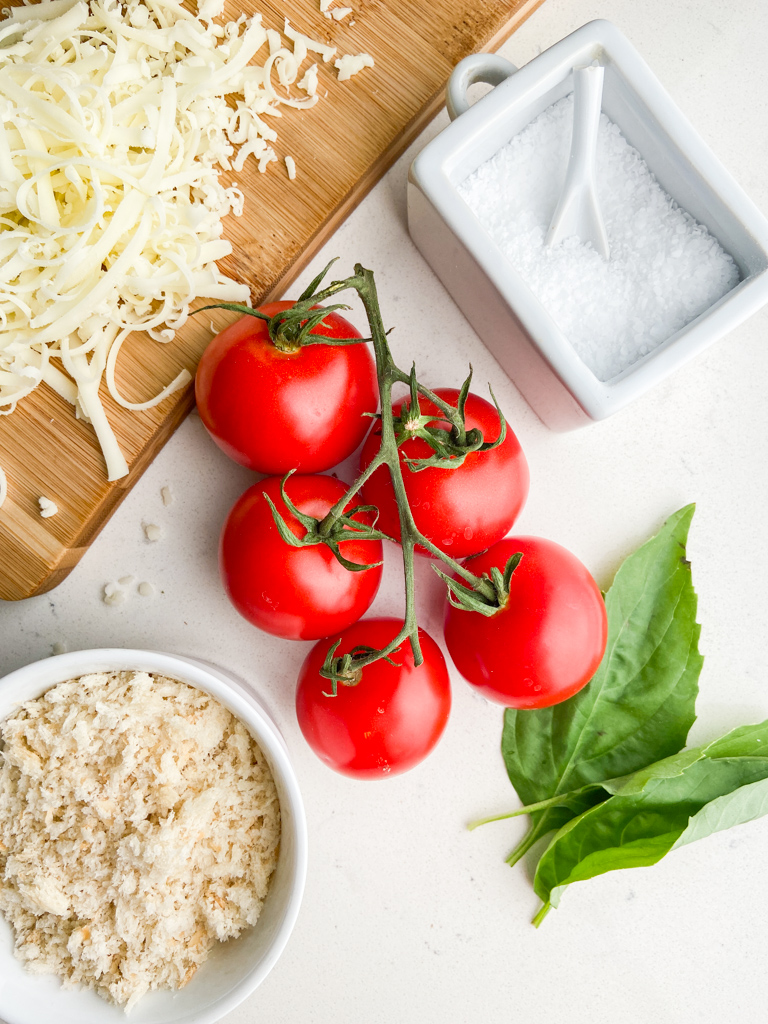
[293, 324]
[326, 525]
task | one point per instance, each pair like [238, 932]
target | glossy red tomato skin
[546, 643]
[273, 411]
[464, 510]
[294, 593]
[390, 720]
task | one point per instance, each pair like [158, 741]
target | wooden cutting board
[342, 147]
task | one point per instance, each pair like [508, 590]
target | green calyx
[347, 669]
[344, 528]
[488, 595]
[290, 330]
[452, 445]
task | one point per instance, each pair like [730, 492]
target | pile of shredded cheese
[114, 128]
[139, 825]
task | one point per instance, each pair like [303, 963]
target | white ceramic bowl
[235, 968]
[499, 305]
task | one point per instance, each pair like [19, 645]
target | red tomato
[296, 593]
[386, 723]
[273, 411]
[546, 642]
[463, 510]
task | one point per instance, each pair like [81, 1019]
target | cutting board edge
[57, 572]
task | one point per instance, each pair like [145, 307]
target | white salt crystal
[665, 268]
[146, 589]
[152, 531]
[165, 492]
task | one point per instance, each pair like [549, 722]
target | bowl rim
[33, 679]
[430, 172]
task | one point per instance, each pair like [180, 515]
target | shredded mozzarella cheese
[114, 128]
[152, 531]
[351, 63]
[325, 51]
[48, 508]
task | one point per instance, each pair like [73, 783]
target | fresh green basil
[659, 809]
[745, 804]
[639, 706]
[606, 769]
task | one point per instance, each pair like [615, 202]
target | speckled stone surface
[408, 917]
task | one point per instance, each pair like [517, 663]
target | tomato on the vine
[546, 642]
[386, 722]
[461, 510]
[296, 593]
[274, 411]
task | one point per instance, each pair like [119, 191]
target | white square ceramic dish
[487, 288]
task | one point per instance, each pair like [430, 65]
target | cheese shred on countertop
[139, 825]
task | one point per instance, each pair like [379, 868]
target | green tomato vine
[289, 330]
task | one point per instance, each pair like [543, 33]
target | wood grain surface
[342, 146]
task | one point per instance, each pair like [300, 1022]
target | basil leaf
[669, 768]
[745, 804]
[639, 706]
[745, 741]
[638, 830]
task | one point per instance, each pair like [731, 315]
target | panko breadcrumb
[139, 823]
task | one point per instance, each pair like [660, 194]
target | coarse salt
[665, 268]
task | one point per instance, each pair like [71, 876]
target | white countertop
[408, 917]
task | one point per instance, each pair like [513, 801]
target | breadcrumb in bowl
[235, 967]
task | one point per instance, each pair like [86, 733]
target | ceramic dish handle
[478, 67]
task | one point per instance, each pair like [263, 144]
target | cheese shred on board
[114, 129]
